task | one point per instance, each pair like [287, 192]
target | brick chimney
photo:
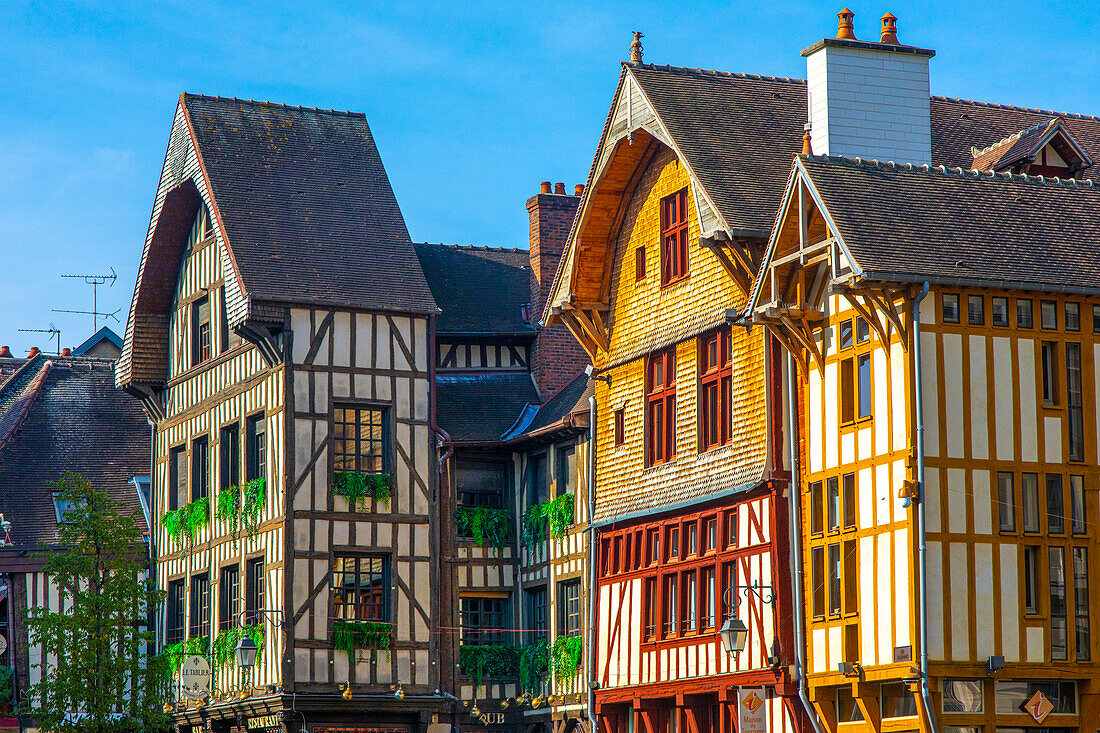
[33, 352]
[557, 358]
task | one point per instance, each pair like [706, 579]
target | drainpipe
[921, 542]
[796, 542]
[591, 563]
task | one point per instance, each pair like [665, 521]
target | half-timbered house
[58, 414]
[279, 337]
[938, 320]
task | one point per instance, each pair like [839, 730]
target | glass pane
[962, 696]
[950, 308]
[1029, 486]
[845, 334]
[1073, 316]
[1048, 312]
[1023, 313]
[1058, 636]
[864, 363]
[975, 309]
[834, 504]
[1006, 501]
[1077, 503]
[863, 330]
[1000, 311]
[834, 579]
[1055, 512]
[897, 700]
[849, 500]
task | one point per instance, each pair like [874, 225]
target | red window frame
[674, 237]
[660, 407]
[715, 389]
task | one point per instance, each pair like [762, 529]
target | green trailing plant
[351, 635]
[484, 524]
[185, 522]
[478, 661]
[565, 655]
[356, 487]
[242, 507]
[175, 653]
[225, 643]
[555, 517]
[228, 509]
[534, 661]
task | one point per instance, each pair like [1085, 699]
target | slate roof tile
[479, 289]
[480, 408]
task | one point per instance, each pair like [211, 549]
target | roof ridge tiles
[715, 72]
[475, 247]
[957, 171]
[1016, 108]
[975, 152]
[238, 100]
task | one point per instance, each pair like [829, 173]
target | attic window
[200, 330]
[674, 237]
[202, 228]
[63, 508]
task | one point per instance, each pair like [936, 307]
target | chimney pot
[636, 48]
[806, 148]
[33, 352]
[578, 190]
[5, 353]
[845, 28]
[559, 188]
[66, 351]
[889, 29]
[545, 188]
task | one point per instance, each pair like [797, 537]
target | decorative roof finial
[636, 48]
[889, 29]
[807, 149]
[845, 28]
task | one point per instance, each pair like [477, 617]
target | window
[1048, 315]
[834, 580]
[692, 532]
[715, 388]
[200, 468]
[816, 507]
[639, 264]
[480, 483]
[1056, 519]
[200, 605]
[731, 529]
[710, 598]
[1073, 316]
[174, 626]
[833, 485]
[1096, 319]
[652, 603]
[538, 488]
[483, 620]
[229, 450]
[962, 696]
[256, 437]
[1058, 635]
[691, 602]
[1075, 403]
[672, 604]
[712, 534]
[1023, 313]
[847, 711]
[673, 543]
[254, 592]
[999, 312]
[863, 330]
[1031, 580]
[177, 477]
[950, 308]
[975, 310]
[360, 439]
[229, 597]
[1081, 603]
[855, 388]
[1029, 487]
[661, 407]
[1050, 373]
[851, 575]
[817, 577]
[567, 470]
[897, 700]
[849, 501]
[229, 339]
[1012, 694]
[1077, 504]
[1006, 501]
[200, 330]
[674, 237]
[361, 588]
[620, 427]
[536, 613]
[569, 607]
[845, 334]
[62, 508]
[654, 546]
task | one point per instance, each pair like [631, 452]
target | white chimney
[868, 99]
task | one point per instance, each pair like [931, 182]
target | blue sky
[472, 103]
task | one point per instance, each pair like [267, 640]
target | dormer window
[674, 237]
[62, 509]
[1046, 149]
[200, 330]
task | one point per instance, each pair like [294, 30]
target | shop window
[963, 696]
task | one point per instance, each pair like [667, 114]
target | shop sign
[1038, 707]
[491, 718]
[263, 723]
[751, 710]
[195, 678]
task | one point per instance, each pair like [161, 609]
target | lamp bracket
[272, 616]
[732, 595]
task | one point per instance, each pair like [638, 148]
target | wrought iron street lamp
[734, 633]
[246, 653]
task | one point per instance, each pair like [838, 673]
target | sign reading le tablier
[751, 710]
[195, 678]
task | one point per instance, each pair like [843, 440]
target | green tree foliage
[96, 675]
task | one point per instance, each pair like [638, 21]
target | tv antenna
[105, 316]
[53, 330]
[95, 281]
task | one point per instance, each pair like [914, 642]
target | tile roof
[738, 132]
[555, 413]
[480, 408]
[479, 289]
[306, 205]
[66, 415]
[906, 222]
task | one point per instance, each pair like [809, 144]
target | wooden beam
[598, 336]
[826, 713]
[730, 267]
[885, 303]
[578, 333]
[792, 348]
[798, 330]
[868, 703]
[871, 316]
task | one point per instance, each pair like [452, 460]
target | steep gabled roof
[1025, 144]
[103, 334]
[479, 289]
[915, 223]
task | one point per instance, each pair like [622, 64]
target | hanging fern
[356, 486]
[228, 509]
[479, 661]
[174, 522]
[252, 505]
[555, 517]
[185, 522]
[482, 523]
[351, 635]
[174, 654]
[534, 661]
[225, 644]
[565, 656]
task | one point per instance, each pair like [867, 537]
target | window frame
[944, 299]
[715, 385]
[386, 587]
[202, 349]
[199, 605]
[200, 467]
[256, 446]
[660, 443]
[675, 224]
[359, 461]
[229, 596]
[493, 613]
